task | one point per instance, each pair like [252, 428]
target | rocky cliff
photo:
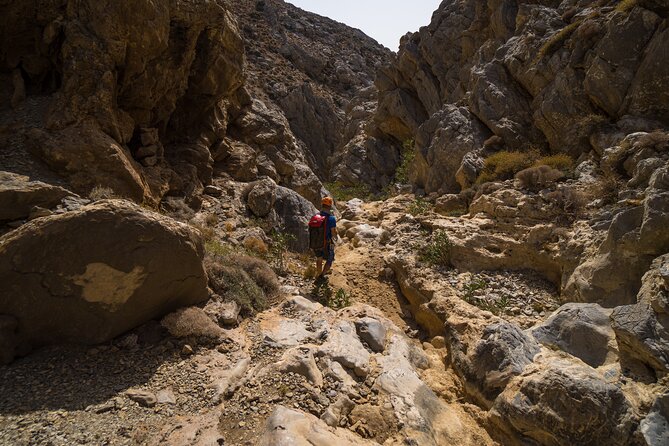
[554, 76]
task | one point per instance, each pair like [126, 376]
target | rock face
[539, 75]
[89, 275]
[127, 108]
[18, 196]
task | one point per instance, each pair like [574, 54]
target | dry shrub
[244, 279]
[211, 220]
[538, 177]
[626, 5]
[255, 245]
[560, 161]
[309, 271]
[208, 234]
[504, 165]
[608, 187]
[555, 41]
[570, 200]
[260, 272]
[191, 321]
[229, 226]
[101, 193]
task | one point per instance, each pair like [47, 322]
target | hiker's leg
[329, 253]
[328, 267]
[319, 266]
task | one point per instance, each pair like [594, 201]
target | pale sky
[384, 20]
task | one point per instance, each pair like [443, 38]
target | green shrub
[279, 248]
[504, 165]
[345, 192]
[259, 271]
[438, 250]
[323, 293]
[419, 207]
[408, 156]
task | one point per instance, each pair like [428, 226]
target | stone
[8, 339]
[226, 312]
[334, 413]
[142, 397]
[547, 405]
[449, 203]
[582, 330]
[372, 332]
[301, 360]
[344, 347]
[213, 191]
[502, 354]
[291, 427]
[143, 265]
[293, 212]
[262, 197]
[19, 195]
[39, 212]
[655, 426]
[166, 396]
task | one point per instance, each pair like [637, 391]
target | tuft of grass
[256, 246]
[504, 165]
[101, 193]
[555, 41]
[419, 207]
[626, 5]
[495, 306]
[438, 250]
[408, 155]
[279, 249]
[233, 282]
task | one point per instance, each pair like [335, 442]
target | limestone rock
[642, 331]
[262, 197]
[142, 397]
[18, 196]
[372, 332]
[583, 330]
[125, 265]
[301, 360]
[293, 212]
[655, 426]
[289, 427]
[547, 405]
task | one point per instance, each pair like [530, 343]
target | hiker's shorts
[327, 253]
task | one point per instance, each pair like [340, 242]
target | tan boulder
[87, 276]
[18, 195]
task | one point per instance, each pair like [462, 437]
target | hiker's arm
[334, 233]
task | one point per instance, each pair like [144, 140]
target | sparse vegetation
[608, 187]
[101, 193]
[279, 248]
[555, 41]
[438, 250]
[408, 155]
[323, 292]
[496, 304]
[504, 165]
[191, 321]
[345, 192]
[626, 5]
[419, 207]
[259, 271]
[256, 246]
[208, 233]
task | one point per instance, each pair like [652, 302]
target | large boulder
[89, 275]
[563, 403]
[293, 212]
[583, 330]
[18, 195]
[655, 427]
[642, 329]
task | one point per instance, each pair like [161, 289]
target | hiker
[322, 232]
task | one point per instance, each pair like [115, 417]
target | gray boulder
[261, 198]
[89, 275]
[655, 427]
[293, 212]
[642, 329]
[372, 332]
[583, 330]
[502, 353]
[564, 403]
